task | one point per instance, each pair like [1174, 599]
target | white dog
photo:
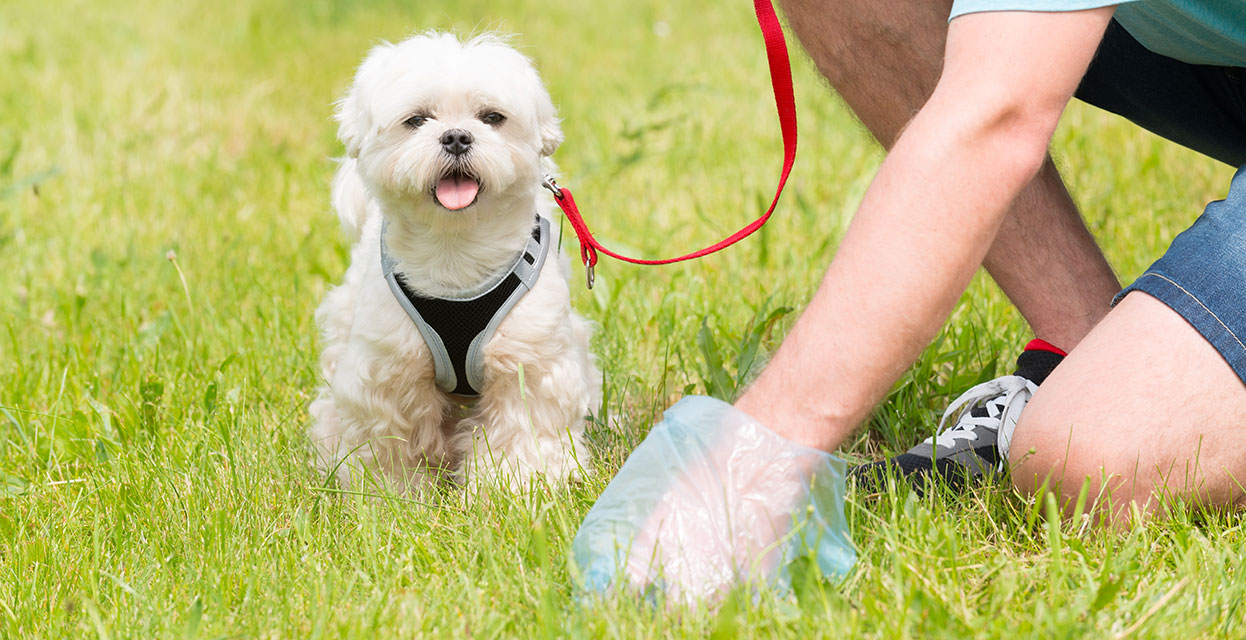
[442, 195]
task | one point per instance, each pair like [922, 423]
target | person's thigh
[1146, 403]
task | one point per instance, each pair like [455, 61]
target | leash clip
[547, 181]
[567, 207]
[588, 253]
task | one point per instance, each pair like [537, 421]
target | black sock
[1036, 364]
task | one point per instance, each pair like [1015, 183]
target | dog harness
[456, 330]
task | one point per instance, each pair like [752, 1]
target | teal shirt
[1195, 31]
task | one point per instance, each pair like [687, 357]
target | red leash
[785, 102]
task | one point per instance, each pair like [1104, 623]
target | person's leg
[1144, 402]
[1153, 399]
[884, 58]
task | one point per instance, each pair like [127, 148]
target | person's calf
[882, 56]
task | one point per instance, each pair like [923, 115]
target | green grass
[165, 237]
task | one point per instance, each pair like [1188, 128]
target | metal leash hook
[590, 277]
[547, 181]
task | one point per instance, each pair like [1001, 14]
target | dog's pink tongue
[456, 193]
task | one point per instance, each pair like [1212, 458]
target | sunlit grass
[165, 237]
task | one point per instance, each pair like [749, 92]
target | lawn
[165, 237]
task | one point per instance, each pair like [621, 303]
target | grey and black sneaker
[972, 439]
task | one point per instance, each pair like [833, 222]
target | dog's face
[441, 127]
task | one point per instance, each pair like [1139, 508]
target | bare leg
[1144, 402]
[884, 57]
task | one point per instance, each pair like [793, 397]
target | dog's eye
[415, 121]
[493, 118]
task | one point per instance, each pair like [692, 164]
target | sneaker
[975, 444]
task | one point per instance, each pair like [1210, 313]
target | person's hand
[712, 498]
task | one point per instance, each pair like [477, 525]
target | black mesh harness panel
[456, 330]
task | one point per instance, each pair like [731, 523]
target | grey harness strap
[456, 330]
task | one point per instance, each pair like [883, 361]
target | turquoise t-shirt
[1194, 31]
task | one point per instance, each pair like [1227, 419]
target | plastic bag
[712, 498]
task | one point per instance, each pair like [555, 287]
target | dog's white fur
[379, 409]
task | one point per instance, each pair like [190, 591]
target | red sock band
[1038, 344]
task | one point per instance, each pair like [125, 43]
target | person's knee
[1037, 456]
[1059, 448]
[1055, 448]
[1145, 410]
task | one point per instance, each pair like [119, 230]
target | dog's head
[443, 127]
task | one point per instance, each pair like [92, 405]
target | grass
[165, 237]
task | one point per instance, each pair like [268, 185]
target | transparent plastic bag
[710, 499]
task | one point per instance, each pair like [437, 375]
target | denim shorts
[1202, 276]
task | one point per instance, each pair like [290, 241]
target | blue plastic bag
[710, 499]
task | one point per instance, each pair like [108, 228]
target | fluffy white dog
[446, 145]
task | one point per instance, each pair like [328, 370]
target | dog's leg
[380, 415]
[532, 413]
[378, 410]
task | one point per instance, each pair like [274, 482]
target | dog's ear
[352, 121]
[548, 125]
[551, 127]
[353, 115]
[551, 136]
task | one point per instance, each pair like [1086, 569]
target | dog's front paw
[485, 471]
[519, 468]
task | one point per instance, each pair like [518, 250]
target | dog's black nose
[456, 141]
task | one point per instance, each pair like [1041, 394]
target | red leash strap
[785, 102]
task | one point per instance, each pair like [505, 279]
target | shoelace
[1003, 398]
